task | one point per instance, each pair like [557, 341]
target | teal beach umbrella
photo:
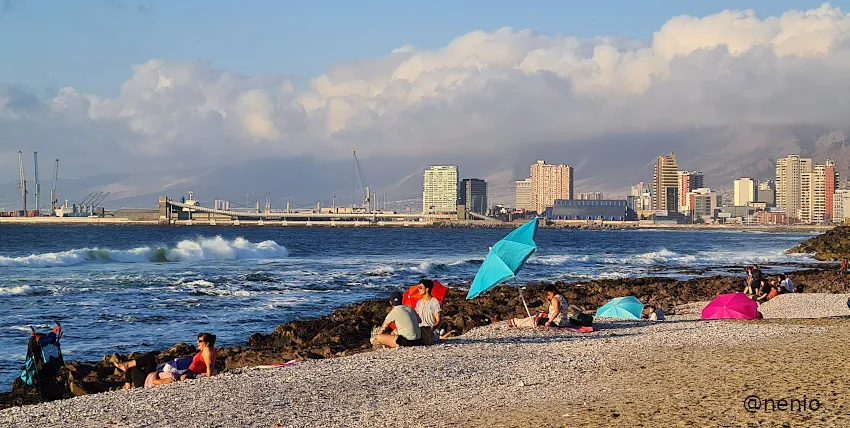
[629, 308]
[505, 259]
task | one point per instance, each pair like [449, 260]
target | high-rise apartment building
[830, 184]
[550, 182]
[439, 189]
[590, 196]
[789, 183]
[746, 191]
[816, 204]
[804, 190]
[666, 183]
[688, 182]
[473, 195]
[523, 195]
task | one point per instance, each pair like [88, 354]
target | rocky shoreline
[831, 246]
[347, 330]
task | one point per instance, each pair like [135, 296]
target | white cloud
[483, 91]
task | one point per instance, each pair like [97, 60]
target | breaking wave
[667, 257]
[189, 250]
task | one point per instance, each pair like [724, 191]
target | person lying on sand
[446, 331]
[143, 370]
[406, 322]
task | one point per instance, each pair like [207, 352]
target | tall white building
[524, 201]
[746, 191]
[439, 189]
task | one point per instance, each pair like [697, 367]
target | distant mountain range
[609, 166]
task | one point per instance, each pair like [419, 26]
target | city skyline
[489, 93]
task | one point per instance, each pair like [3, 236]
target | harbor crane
[54, 203]
[22, 186]
[360, 186]
[36, 181]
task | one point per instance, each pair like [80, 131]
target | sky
[91, 45]
[194, 91]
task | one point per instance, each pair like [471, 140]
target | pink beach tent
[731, 306]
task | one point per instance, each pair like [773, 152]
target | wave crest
[188, 250]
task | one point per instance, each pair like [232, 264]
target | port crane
[54, 203]
[22, 186]
[361, 187]
[36, 181]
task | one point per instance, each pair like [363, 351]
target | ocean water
[122, 289]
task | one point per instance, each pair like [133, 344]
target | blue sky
[92, 44]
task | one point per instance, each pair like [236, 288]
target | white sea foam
[18, 290]
[667, 257]
[380, 271]
[200, 249]
[198, 282]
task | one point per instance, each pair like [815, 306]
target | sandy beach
[680, 372]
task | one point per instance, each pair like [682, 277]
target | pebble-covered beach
[497, 376]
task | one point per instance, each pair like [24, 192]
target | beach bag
[798, 288]
[582, 319]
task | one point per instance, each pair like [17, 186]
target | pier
[188, 212]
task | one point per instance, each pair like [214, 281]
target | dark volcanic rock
[832, 245]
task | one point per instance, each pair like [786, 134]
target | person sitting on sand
[655, 314]
[202, 364]
[785, 284]
[558, 315]
[768, 292]
[428, 310]
[406, 322]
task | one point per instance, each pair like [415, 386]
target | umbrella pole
[524, 304]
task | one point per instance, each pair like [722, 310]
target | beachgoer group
[762, 289]
[407, 326]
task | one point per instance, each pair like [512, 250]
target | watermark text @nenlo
[758, 404]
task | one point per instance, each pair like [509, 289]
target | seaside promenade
[681, 372]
